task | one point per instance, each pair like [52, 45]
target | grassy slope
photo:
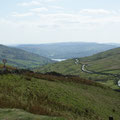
[64, 67]
[21, 58]
[69, 97]
[108, 61]
[69, 67]
[16, 114]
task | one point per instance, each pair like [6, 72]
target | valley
[102, 67]
[64, 90]
[59, 60]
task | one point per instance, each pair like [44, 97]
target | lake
[59, 60]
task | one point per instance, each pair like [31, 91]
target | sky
[50, 21]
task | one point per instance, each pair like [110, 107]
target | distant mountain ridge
[66, 50]
[21, 58]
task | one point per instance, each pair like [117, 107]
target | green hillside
[21, 58]
[105, 62]
[63, 97]
[109, 60]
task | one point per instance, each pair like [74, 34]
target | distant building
[119, 83]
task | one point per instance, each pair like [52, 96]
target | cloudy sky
[48, 21]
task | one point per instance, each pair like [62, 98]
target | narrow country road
[83, 68]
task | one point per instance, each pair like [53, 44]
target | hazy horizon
[61, 43]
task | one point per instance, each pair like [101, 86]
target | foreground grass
[59, 96]
[16, 114]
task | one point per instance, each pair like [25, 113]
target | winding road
[83, 68]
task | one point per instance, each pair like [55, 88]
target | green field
[71, 98]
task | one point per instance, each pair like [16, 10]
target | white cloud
[39, 9]
[15, 14]
[36, 2]
[66, 19]
[31, 3]
[37, 23]
[57, 7]
[51, 0]
[61, 26]
[95, 11]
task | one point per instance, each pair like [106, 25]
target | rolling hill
[21, 58]
[105, 62]
[66, 50]
[55, 97]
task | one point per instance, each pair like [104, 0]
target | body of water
[59, 60]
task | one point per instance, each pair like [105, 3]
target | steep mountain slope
[66, 50]
[21, 58]
[72, 98]
[105, 62]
